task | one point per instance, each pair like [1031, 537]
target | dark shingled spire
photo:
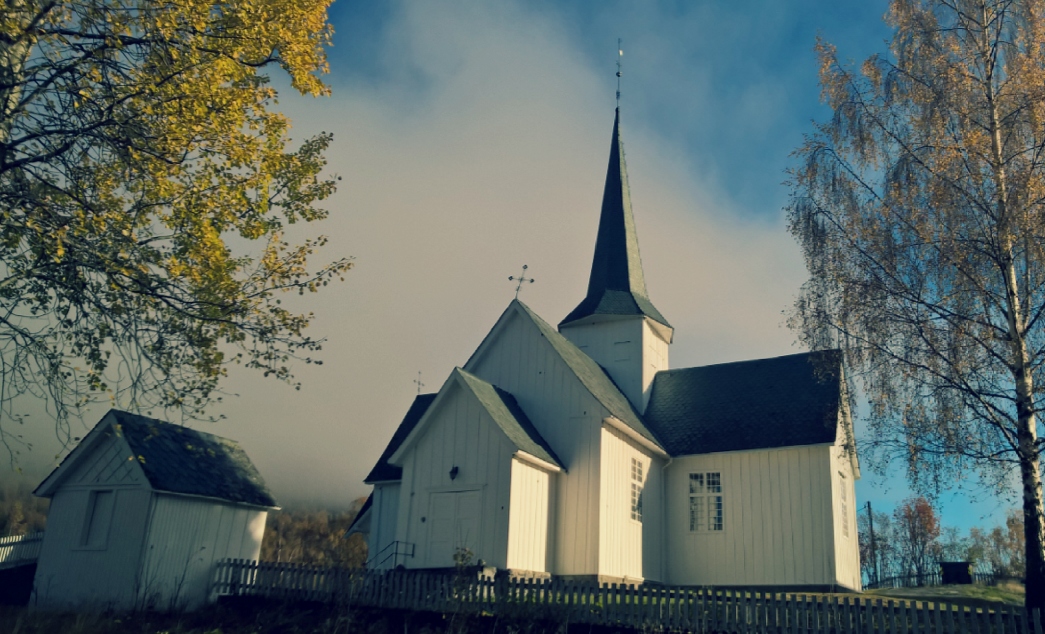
[616, 285]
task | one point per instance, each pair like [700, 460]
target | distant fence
[929, 579]
[17, 550]
[648, 606]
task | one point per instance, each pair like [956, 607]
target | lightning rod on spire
[620, 57]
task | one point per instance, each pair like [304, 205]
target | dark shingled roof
[178, 459]
[506, 413]
[383, 471]
[616, 285]
[759, 404]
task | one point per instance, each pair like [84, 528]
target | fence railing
[648, 606]
[16, 550]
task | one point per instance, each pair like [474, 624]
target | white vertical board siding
[654, 359]
[529, 517]
[69, 575]
[187, 536]
[109, 463]
[847, 548]
[628, 548]
[628, 348]
[619, 346]
[569, 418]
[777, 513]
[383, 524]
[458, 433]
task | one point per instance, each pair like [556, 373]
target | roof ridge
[743, 361]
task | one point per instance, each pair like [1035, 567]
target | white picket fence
[18, 550]
[646, 607]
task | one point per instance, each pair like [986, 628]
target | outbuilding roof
[760, 404]
[177, 459]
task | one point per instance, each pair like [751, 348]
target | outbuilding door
[455, 525]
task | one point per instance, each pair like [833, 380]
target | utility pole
[874, 549]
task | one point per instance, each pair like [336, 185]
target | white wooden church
[575, 451]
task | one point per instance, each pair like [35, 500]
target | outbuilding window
[95, 533]
[637, 479]
[705, 502]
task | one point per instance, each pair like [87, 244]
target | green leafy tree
[920, 209]
[146, 186]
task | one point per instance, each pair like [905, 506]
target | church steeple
[616, 287]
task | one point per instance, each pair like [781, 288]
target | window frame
[844, 503]
[707, 514]
[638, 484]
[99, 517]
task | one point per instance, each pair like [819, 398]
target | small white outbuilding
[141, 511]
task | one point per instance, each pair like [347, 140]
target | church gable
[522, 351]
[496, 407]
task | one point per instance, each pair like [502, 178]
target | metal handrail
[397, 548]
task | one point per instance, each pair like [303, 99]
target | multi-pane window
[636, 489]
[705, 502]
[844, 506]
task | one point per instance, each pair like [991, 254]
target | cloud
[482, 146]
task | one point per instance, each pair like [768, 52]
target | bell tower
[616, 324]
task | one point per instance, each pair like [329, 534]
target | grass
[975, 595]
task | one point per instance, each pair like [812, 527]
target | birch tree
[920, 209]
[146, 185]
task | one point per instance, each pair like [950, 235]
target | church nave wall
[759, 517]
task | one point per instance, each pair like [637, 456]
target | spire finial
[418, 382]
[522, 279]
[620, 58]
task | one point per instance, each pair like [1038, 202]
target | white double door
[455, 521]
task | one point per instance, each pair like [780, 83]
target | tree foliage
[145, 190]
[919, 209]
[315, 538]
[1000, 550]
[917, 531]
[20, 511]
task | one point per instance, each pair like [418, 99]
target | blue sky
[472, 138]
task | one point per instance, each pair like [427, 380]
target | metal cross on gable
[522, 279]
[418, 382]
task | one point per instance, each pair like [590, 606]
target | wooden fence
[647, 607]
[929, 579]
[17, 550]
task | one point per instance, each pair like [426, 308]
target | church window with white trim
[705, 502]
[636, 489]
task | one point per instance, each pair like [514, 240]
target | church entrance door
[455, 526]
